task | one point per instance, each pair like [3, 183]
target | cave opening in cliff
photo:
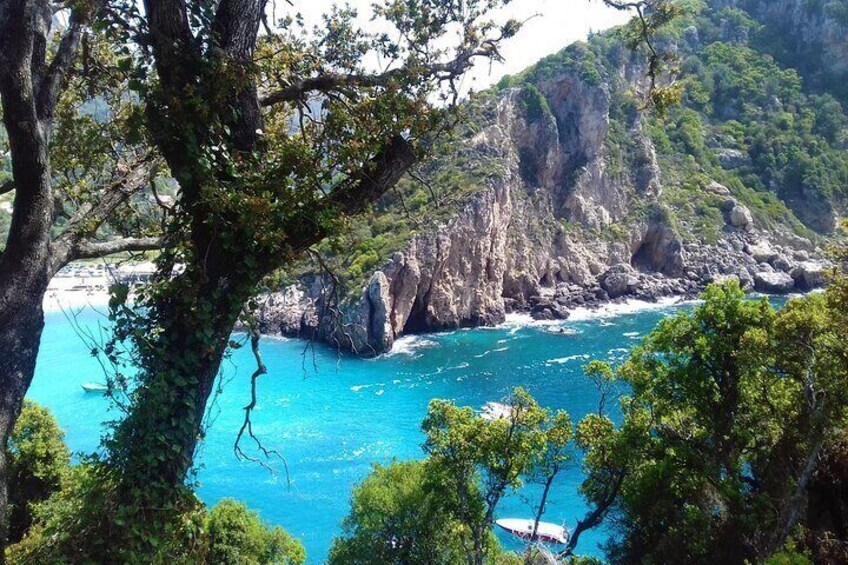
[417, 320]
[642, 260]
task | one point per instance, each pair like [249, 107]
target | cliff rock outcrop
[580, 213]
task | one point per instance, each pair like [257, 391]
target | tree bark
[795, 504]
[20, 336]
[596, 515]
[547, 489]
[30, 84]
[23, 265]
[154, 446]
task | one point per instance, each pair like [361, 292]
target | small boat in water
[95, 387]
[495, 411]
[545, 532]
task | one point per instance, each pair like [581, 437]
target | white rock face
[732, 158]
[619, 280]
[556, 230]
[716, 188]
[761, 251]
[774, 283]
[455, 276]
[740, 217]
[378, 295]
[809, 274]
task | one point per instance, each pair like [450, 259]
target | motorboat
[495, 411]
[545, 532]
[95, 387]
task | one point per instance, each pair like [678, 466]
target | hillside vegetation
[752, 118]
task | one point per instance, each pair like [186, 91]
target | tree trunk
[154, 446]
[479, 537]
[596, 515]
[24, 263]
[548, 482]
[20, 335]
[795, 504]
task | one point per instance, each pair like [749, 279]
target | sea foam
[564, 360]
[410, 345]
[516, 322]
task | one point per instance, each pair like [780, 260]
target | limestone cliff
[808, 35]
[583, 208]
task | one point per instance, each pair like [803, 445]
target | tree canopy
[731, 406]
[276, 136]
[442, 509]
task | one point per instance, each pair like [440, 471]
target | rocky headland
[582, 208]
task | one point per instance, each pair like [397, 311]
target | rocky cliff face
[809, 32]
[574, 220]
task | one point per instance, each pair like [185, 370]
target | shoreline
[75, 293]
[606, 309]
[413, 343]
[60, 298]
[80, 286]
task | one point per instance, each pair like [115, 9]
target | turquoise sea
[332, 416]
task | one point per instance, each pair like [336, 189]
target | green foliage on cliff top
[748, 120]
[754, 126]
[578, 58]
[534, 104]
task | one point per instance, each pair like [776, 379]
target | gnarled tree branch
[342, 83]
[383, 171]
[596, 515]
[71, 244]
[247, 424]
[89, 250]
[48, 90]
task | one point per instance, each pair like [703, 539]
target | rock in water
[773, 283]
[809, 274]
[619, 280]
[549, 310]
[378, 295]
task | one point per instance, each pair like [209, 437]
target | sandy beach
[79, 286]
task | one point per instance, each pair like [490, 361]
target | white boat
[495, 411]
[95, 387]
[546, 532]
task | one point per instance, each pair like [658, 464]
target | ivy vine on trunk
[275, 141]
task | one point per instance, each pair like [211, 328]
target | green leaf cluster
[38, 462]
[82, 523]
[398, 515]
[238, 537]
[726, 409]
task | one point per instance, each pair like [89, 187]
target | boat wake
[564, 360]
